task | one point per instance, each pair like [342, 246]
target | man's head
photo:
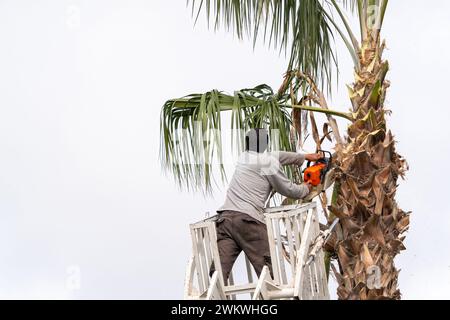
[256, 140]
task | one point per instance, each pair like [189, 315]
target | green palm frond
[191, 141]
[351, 5]
[300, 27]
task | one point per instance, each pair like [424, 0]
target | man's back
[255, 176]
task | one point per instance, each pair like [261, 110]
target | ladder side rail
[215, 252]
[188, 279]
[280, 256]
[273, 252]
[322, 281]
[201, 285]
[202, 255]
[261, 292]
[231, 284]
[288, 224]
[248, 268]
[215, 289]
[319, 264]
[302, 255]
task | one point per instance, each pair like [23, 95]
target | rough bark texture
[372, 225]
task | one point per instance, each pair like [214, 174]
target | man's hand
[314, 156]
[308, 185]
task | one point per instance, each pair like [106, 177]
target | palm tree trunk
[368, 167]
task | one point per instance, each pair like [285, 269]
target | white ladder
[292, 231]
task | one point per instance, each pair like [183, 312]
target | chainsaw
[315, 174]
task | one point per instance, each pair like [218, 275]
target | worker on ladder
[240, 224]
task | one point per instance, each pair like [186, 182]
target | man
[240, 225]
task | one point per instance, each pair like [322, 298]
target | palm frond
[351, 5]
[191, 139]
[298, 27]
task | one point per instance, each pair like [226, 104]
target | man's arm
[291, 158]
[294, 158]
[286, 187]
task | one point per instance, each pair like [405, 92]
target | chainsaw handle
[326, 152]
[324, 156]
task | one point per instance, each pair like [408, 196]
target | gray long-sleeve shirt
[255, 176]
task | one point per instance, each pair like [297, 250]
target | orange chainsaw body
[313, 174]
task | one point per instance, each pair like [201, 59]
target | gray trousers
[236, 232]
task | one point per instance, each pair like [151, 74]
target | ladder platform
[298, 272]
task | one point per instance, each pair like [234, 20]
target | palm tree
[372, 226]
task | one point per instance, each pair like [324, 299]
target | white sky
[81, 87]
